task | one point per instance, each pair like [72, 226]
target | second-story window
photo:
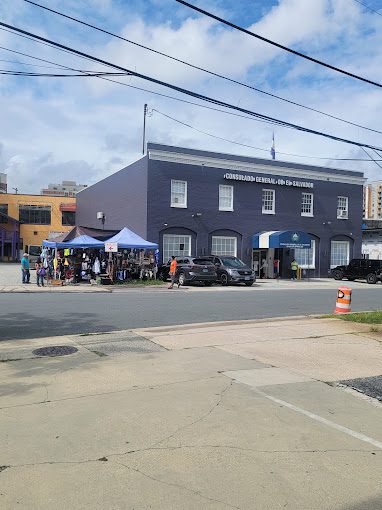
[35, 214]
[268, 201]
[342, 208]
[178, 193]
[225, 198]
[307, 204]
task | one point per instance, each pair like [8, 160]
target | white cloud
[83, 129]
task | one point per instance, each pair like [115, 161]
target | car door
[218, 264]
[353, 269]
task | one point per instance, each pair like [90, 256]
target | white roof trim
[225, 164]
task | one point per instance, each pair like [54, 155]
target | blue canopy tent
[126, 238]
[282, 239]
[83, 241]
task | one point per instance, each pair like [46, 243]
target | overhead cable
[236, 82]
[186, 91]
[258, 148]
[278, 45]
[368, 8]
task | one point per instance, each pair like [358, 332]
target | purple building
[266, 212]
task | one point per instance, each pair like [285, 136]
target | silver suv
[232, 270]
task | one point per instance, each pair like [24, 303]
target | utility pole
[16, 190]
[144, 128]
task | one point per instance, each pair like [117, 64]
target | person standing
[40, 272]
[25, 268]
[173, 266]
[264, 269]
[294, 268]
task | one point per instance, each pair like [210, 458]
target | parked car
[191, 269]
[232, 270]
[359, 269]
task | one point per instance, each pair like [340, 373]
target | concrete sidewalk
[214, 416]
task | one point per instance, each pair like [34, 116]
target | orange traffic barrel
[343, 300]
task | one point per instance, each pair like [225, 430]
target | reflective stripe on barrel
[343, 300]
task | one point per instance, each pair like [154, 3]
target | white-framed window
[178, 193]
[178, 245]
[225, 198]
[342, 208]
[339, 253]
[268, 201]
[222, 245]
[307, 204]
[306, 257]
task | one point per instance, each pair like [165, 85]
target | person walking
[40, 272]
[294, 268]
[172, 273]
[25, 268]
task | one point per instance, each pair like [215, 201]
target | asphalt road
[41, 315]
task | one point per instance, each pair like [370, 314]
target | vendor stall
[131, 257]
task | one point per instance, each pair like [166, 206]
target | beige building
[65, 189]
[372, 201]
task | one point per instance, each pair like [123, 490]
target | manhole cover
[56, 350]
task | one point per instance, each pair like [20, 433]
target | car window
[354, 263]
[202, 262]
[232, 262]
[217, 261]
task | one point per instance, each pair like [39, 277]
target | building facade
[372, 239]
[66, 189]
[26, 220]
[194, 202]
[372, 201]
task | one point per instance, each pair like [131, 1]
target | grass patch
[146, 283]
[363, 317]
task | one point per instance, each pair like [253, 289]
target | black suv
[359, 269]
[191, 269]
[232, 270]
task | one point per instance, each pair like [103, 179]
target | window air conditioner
[342, 214]
[176, 200]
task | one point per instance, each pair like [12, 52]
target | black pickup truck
[359, 269]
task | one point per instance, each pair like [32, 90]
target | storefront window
[224, 245]
[3, 211]
[268, 202]
[176, 245]
[68, 218]
[306, 257]
[225, 198]
[178, 193]
[35, 214]
[307, 204]
[339, 253]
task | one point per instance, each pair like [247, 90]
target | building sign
[295, 240]
[111, 247]
[268, 180]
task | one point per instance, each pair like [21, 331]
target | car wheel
[224, 279]
[182, 279]
[338, 275]
[371, 278]
[248, 284]
[207, 284]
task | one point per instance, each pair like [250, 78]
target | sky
[85, 128]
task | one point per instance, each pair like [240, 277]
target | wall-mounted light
[196, 215]
[101, 216]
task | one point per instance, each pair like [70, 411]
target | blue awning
[83, 241]
[282, 239]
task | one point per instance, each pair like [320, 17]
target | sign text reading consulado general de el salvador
[268, 180]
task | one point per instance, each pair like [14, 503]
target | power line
[259, 148]
[368, 8]
[56, 75]
[278, 45]
[201, 68]
[186, 91]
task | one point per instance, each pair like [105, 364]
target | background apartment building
[3, 183]
[65, 189]
[372, 201]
